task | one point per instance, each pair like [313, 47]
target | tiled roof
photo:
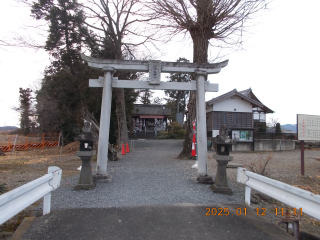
[245, 94]
[151, 109]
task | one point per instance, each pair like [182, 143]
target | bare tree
[115, 25]
[157, 100]
[223, 21]
[4, 43]
[119, 22]
[273, 122]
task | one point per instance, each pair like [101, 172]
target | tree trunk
[187, 144]
[121, 116]
[200, 55]
[120, 102]
[178, 102]
[200, 40]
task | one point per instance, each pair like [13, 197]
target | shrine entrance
[155, 68]
[148, 120]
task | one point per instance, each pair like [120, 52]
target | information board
[242, 135]
[308, 127]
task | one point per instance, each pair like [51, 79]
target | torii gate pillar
[104, 122]
[201, 122]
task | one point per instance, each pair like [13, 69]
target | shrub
[162, 137]
[181, 133]
[259, 165]
[174, 131]
[172, 136]
[175, 127]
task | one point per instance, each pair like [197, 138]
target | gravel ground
[150, 175]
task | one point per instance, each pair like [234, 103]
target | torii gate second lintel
[191, 86]
[154, 67]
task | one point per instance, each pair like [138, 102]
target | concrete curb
[22, 229]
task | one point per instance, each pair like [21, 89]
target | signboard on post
[308, 129]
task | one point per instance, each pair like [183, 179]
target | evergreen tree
[178, 98]
[25, 110]
[278, 128]
[65, 84]
[60, 98]
[145, 96]
[64, 41]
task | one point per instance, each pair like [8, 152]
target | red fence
[29, 142]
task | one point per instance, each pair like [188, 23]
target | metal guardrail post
[55, 184]
[13, 202]
[247, 196]
[295, 197]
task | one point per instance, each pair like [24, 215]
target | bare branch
[213, 19]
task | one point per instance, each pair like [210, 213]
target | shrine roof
[151, 109]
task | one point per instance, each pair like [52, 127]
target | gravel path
[150, 175]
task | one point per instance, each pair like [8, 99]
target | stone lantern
[86, 139]
[223, 148]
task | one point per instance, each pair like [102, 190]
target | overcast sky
[280, 61]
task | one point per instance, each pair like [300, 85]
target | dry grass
[21, 167]
[259, 164]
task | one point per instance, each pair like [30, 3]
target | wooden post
[302, 157]
[105, 122]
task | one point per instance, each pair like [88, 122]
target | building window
[224, 118]
[234, 119]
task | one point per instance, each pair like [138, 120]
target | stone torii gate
[155, 68]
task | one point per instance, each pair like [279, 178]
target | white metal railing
[13, 202]
[285, 193]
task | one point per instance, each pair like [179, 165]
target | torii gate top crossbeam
[143, 66]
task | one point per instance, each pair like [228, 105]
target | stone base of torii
[155, 68]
